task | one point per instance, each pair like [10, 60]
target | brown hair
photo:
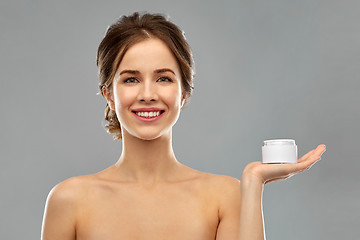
[126, 32]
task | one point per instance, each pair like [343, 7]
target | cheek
[123, 99]
[173, 96]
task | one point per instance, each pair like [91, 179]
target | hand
[266, 173]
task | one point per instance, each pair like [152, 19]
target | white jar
[279, 151]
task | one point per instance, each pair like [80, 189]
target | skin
[148, 194]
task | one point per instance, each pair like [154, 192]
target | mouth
[148, 114]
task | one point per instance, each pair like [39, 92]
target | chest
[172, 212]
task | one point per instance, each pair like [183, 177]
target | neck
[147, 161]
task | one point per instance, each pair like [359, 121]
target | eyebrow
[130, 71]
[155, 71]
[164, 70]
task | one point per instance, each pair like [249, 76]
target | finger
[284, 171]
[323, 149]
[307, 161]
[314, 153]
[311, 159]
[306, 155]
[277, 179]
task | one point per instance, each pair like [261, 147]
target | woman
[146, 73]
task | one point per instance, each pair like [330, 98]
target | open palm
[273, 172]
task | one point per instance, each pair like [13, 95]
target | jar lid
[279, 142]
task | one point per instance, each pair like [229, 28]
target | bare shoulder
[70, 188]
[226, 190]
[62, 206]
[222, 183]
[70, 192]
[228, 195]
[223, 189]
[226, 181]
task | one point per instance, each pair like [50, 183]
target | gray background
[265, 70]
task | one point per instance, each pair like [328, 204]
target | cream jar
[279, 151]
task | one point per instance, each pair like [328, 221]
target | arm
[60, 212]
[241, 215]
[229, 209]
[254, 177]
[240, 209]
[251, 217]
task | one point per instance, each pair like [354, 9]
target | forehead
[148, 55]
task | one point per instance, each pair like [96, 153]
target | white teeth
[148, 114]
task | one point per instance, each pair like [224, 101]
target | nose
[148, 92]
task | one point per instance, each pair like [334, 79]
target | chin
[150, 135]
[148, 138]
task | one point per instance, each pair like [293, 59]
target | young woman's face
[147, 94]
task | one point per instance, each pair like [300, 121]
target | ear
[109, 97]
[183, 98]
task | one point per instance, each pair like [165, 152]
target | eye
[131, 80]
[164, 79]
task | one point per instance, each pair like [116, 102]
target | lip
[152, 109]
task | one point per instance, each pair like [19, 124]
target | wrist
[250, 187]
[248, 178]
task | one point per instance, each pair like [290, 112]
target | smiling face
[146, 92]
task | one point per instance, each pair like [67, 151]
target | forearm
[251, 214]
[254, 176]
